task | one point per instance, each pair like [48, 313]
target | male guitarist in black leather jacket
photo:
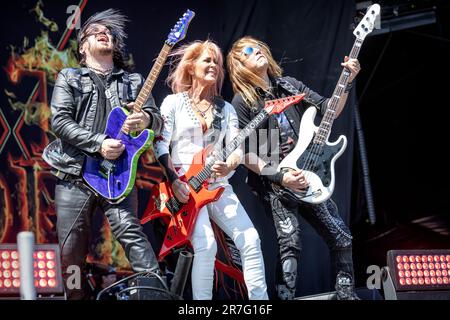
[257, 77]
[81, 101]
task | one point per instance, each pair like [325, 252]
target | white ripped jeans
[229, 214]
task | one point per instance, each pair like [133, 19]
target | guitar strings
[320, 141]
[205, 173]
[314, 154]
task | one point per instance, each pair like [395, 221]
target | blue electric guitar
[114, 179]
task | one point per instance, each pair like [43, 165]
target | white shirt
[182, 131]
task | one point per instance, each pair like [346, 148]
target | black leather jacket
[73, 108]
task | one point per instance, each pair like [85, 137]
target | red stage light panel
[420, 269]
[47, 269]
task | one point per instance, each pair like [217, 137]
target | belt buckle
[60, 175]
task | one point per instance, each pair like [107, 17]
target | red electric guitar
[181, 217]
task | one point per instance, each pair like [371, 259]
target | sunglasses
[248, 50]
[94, 31]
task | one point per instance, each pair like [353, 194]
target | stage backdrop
[308, 38]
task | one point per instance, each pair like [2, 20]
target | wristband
[348, 87]
[276, 178]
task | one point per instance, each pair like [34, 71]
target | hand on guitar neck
[353, 66]
[219, 169]
[222, 169]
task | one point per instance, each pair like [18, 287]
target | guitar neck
[235, 143]
[330, 114]
[152, 76]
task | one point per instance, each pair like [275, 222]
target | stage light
[47, 270]
[417, 275]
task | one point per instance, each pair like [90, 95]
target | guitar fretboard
[206, 172]
[330, 114]
[151, 79]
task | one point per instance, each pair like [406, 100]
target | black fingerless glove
[276, 178]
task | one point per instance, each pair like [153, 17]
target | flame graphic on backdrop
[43, 62]
[26, 184]
[29, 205]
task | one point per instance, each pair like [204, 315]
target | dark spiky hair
[115, 21]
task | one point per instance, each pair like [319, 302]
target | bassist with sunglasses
[257, 77]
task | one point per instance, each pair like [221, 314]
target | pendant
[108, 93]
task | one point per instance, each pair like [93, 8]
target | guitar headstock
[367, 23]
[279, 105]
[179, 30]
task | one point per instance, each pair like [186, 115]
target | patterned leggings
[327, 222]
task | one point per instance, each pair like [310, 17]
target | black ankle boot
[285, 293]
[345, 287]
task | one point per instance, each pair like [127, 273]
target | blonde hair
[184, 58]
[244, 80]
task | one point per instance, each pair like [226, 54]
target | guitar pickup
[195, 183]
[173, 205]
[106, 167]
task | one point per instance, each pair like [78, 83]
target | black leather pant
[327, 222]
[75, 206]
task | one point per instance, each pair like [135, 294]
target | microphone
[25, 245]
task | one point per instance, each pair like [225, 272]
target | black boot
[285, 293]
[345, 287]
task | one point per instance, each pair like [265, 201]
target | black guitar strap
[216, 124]
[287, 86]
[218, 114]
[294, 91]
[125, 88]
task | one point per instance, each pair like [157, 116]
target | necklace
[101, 71]
[202, 112]
[102, 84]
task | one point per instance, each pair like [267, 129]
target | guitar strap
[218, 113]
[125, 88]
[216, 124]
[287, 86]
[294, 91]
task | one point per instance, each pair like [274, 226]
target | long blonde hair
[184, 58]
[244, 80]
